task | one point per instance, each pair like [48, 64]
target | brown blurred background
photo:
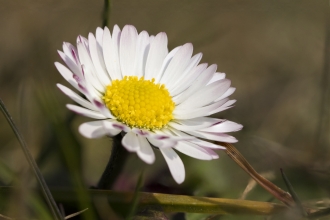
[276, 53]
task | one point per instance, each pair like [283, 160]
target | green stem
[106, 13]
[115, 164]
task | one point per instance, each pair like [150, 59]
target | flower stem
[116, 160]
[277, 192]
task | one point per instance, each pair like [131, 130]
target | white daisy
[132, 84]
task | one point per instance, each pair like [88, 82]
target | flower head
[132, 84]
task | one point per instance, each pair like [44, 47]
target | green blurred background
[276, 53]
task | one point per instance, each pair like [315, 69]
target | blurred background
[276, 53]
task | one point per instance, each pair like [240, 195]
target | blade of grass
[177, 203]
[6, 217]
[293, 194]
[277, 192]
[69, 146]
[75, 214]
[136, 197]
[47, 194]
[318, 214]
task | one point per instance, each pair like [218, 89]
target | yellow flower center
[139, 103]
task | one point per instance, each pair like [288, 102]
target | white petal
[127, 50]
[131, 142]
[193, 150]
[99, 38]
[82, 40]
[88, 68]
[225, 106]
[92, 83]
[85, 112]
[161, 135]
[97, 58]
[206, 95]
[213, 136]
[199, 142]
[75, 97]
[177, 65]
[198, 112]
[186, 75]
[199, 83]
[111, 52]
[114, 124]
[174, 136]
[230, 91]
[96, 129]
[212, 153]
[111, 126]
[67, 75]
[92, 129]
[142, 49]
[71, 52]
[194, 123]
[157, 53]
[102, 108]
[174, 163]
[145, 151]
[217, 76]
[226, 126]
[189, 80]
[162, 143]
[71, 64]
[206, 144]
[166, 62]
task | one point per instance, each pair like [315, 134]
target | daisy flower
[131, 84]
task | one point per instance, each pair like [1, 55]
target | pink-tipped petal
[109, 125]
[162, 143]
[85, 112]
[75, 97]
[67, 75]
[92, 129]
